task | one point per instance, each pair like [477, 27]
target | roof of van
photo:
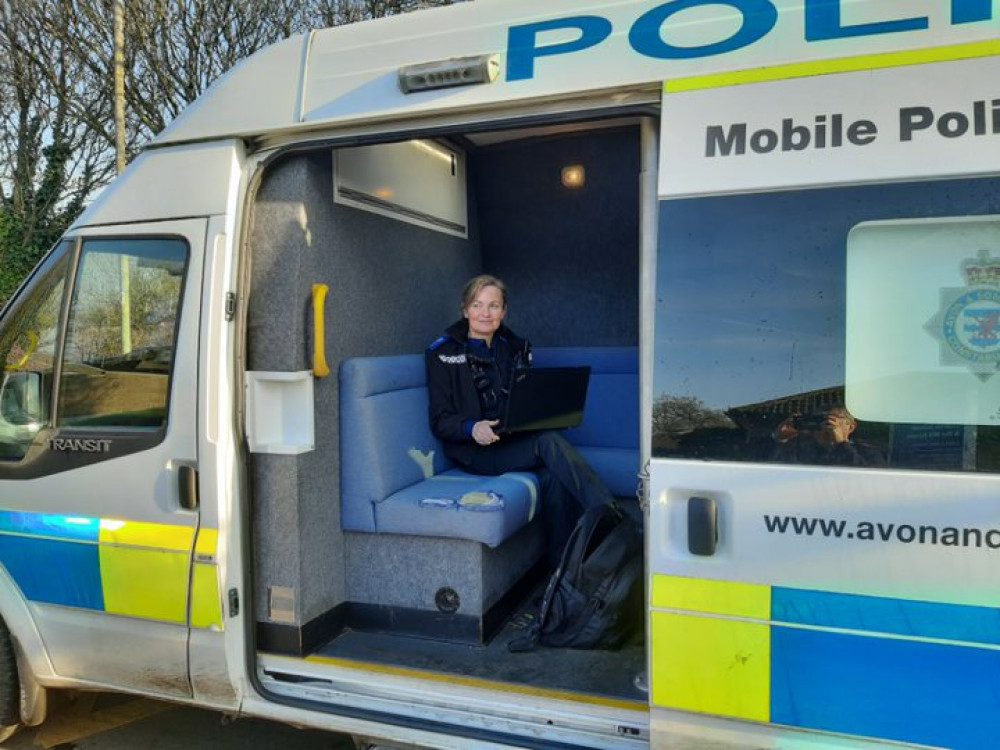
[553, 48]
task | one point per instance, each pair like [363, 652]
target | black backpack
[594, 598]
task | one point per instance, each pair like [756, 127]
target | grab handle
[320, 368]
[703, 526]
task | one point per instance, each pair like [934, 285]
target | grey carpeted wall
[393, 287]
[570, 259]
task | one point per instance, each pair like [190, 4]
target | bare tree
[50, 160]
[57, 120]
[674, 416]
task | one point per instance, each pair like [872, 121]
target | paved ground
[98, 721]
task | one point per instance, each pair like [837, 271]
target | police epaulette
[438, 343]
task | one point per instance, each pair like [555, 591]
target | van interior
[364, 550]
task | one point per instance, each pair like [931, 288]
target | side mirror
[21, 400]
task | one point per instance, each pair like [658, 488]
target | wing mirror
[21, 400]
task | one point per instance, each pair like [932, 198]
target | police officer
[469, 370]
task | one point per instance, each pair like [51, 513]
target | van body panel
[194, 180]
[811, 566]
[151, 658]
[218, 565]
[787, 605]
[349, 74]
[274, 102]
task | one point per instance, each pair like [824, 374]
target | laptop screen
[546, 398]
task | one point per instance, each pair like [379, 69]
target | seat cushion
[451, 505]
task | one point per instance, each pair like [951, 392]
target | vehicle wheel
[10, 687]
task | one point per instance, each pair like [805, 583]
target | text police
[823, 21]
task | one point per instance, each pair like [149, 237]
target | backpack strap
[529, 642]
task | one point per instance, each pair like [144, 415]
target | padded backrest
[385, 437]
[611, 416]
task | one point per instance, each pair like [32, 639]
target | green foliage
[28, 230]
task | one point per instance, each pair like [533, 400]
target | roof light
[574, 176]
[443, 74]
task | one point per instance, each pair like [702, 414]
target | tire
[10, 686]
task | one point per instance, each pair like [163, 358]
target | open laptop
[546, 398]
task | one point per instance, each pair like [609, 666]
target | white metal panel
[262, 93]
[192, 180]
[901, 561]
[894, 124]
[351, 70]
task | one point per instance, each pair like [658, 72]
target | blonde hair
[476, 285]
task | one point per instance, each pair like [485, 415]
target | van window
[28, 347]
[810, 327]
[121, 333]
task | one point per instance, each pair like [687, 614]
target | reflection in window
[28, 344]
[752, 321]
[121, 334]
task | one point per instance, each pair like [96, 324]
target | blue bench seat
[396, 479]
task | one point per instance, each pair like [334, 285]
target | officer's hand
[482, 431]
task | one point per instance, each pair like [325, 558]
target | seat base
[452, 589]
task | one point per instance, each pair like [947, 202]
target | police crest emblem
[967, 324]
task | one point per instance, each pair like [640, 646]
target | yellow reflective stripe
[143, 534]
[148, 583]
[207, 542]
[710, 665]
[206, 606]
[732, 598]
[836, 65]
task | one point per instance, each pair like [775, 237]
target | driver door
[98, 449]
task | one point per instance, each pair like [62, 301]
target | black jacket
[451, 383]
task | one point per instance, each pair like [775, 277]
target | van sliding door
[825, 500]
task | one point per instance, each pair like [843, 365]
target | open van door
[98, 452]
[825, 509]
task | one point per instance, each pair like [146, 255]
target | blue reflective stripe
[883, 615]
[928, 693]
[56, 572]
[83, 528]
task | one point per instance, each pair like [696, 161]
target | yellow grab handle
[320, 368]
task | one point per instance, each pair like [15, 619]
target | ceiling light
[574, 176]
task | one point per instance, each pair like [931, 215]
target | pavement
[104, 721]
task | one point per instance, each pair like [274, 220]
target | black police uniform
[468, 382]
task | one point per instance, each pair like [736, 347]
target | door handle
[187, 480]
[703, 526]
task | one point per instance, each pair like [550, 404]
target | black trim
[41, 461]
[280, 638]
[291, 639]
[423, 623]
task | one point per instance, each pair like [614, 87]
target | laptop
[546, 398]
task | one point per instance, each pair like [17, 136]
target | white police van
[771, 228]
